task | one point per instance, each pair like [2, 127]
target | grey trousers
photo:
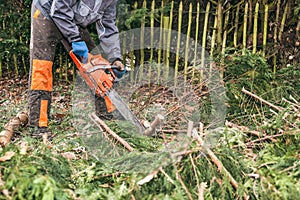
[44, 39]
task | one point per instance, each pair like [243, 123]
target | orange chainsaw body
[96, 76]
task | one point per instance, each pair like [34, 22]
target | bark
[20, 120]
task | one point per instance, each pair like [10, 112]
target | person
[53, 21]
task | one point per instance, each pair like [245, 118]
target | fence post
[152, 29]
[282, 22]
[160, 34]
[187, 42]
[204, 41]
[178, 42]
[196, 39]
[276, 21]
[151, 39]
[265, 29]
[219, 24]
[169, 39]
[135, 5]
[245, 28]
[224, 43]
[142, 58]
[236, 26]
[16, 63]
[255, 28]
[213, 37]
[165, 38]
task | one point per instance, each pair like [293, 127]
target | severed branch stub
[158, 119]
[20, 120]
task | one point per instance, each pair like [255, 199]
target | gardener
[65, 20]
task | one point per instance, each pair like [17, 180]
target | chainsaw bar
[122, 107]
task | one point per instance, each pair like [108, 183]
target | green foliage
[267, 170]
[14, 39]
[288, 78]
[251, 71]
[131, 15]
[40, 175]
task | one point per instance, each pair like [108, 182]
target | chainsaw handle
[115, 67]
[77, 62]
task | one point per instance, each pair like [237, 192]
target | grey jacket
[69, 14]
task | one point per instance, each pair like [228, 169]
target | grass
[74, 166]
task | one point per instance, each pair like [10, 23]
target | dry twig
[182, 183]
[261, 100]
[218, 163]
[96, 119]
[242, 128]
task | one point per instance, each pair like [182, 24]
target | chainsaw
[99, 75]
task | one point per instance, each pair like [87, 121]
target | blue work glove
[80, 49]
[121, 71]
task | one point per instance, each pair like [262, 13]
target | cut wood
[218, 163]
[242, 128]
[158, 119]
[20, 120]
[261, 100]
[190, 128]
[97, 120]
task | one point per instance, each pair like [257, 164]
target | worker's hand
[121, 69]
[80, 49]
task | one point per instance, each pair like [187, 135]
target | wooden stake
[222, 65]
[245, 28]
[255, 28]
[265, 29]
[283, 22]
[160, 37]
[178, 42]
[169, 40]
[219, 24]
[214, 35]
[152, 29]
[187, 47]
[142, 57]
[236, 27]
[196, 36]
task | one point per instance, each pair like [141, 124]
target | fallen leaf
[148, 178]
[69, 155]
[8, 155]
[6, 193]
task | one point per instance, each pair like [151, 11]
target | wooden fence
[215, 25]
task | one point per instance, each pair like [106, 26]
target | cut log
[20, 120]
[151, 130]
